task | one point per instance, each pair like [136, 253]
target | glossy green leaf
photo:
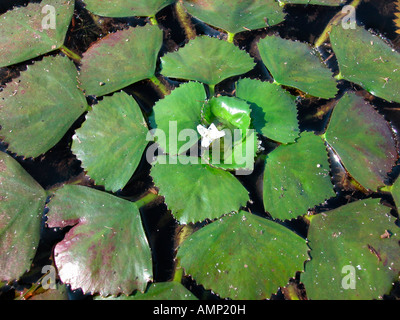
[354, 252]
[363, 140]
[171, 290]
[195, 191]
[22, 201]
[294, 64]
[39, 107]
[273, 109]
[296, 177]
[120, 59]
[237, 148]
[316, 2]
[126, 8]
[106, 251]
[110, 159]
[207, 60]
[368, 61]
[236, 16]
[177, 113]
[229, 112]
[221, 256]
[28, 32]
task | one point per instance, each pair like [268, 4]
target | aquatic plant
[208, 88]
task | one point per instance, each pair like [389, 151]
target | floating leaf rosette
[215, 109]
[176, 130]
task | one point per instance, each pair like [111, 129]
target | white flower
[209, 135]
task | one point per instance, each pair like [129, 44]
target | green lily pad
[195, 191]
[221, 256]
[316, 2]
[368, 61]
[111, 159]
[363, 140]
[106, 251]
[39, 107]
[294, 64]
[296, 177]
[120, 59]
[354, 252]
[273, 109]
[126, 8]
[236, 16]
[176, 114]
[208, 60]
[22, 201]
[28, 32]
[171, 290]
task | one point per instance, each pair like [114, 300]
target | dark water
[59, 165]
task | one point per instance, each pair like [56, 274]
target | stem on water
[184, 20]
[230, 37]
[178, 274]
[290, 292]
[146, 199]
[181, 233]
[211, 90]
[160, 86]
[69, 53]
[385, 189]
[334, 21]
[153, 20]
